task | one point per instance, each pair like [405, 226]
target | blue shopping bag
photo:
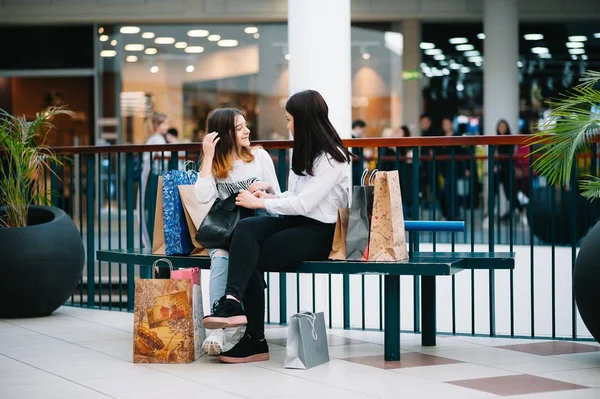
[177, 236]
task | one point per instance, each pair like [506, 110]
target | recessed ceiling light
[198, 33]
[576, 51]
[427, 46]
[214, 38]
[458, 40]
[520, 64]
[113, 42]
[597, 35]
[194, 49]
[227, 43]
[584, 57]
[478, 63]
[154, 69]
[128, 30]
[164, 40]
[256, 35]
[573, 57]
[134, 47]
[131, 58]
[578, 38]
[455, 66]
[439, 57]
[148, 35]
[445, 71]
[108, 53]
[460, 87]
[100, 30]
[475, 59]
[465, 47]
[433, 51]
[540, 50]
[366, 56]
[533, 36]
[574, 44]
[472, 53]
[465, 69]
[444, 63]
[103, 38]
[251, 30]
[546, 56]
[151, 51]
[181, 45]
[190, 68]
[481, 36]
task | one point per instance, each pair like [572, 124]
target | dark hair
[406, 130]
[358, 123]
[423, 116]
[173, 132]
[507, 126]
[313, 132]
[222, 121]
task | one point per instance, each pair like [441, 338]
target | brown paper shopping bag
[158, 237]
[164, 324]
[195, 212]
[387, 239]
[338, 248]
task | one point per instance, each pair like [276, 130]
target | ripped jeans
[219, 268]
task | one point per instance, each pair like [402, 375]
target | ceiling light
[584, 57]
[533, 36]
[444, 63]
[475, 59]
[134, 47]
[433, 51]
[481, 36]
[164, 40]
[227, 43]
[256, 35]
[573, 57]
[251, 29]
[151, 51]
[131, 58]
[458, 40]
[287, 57]
[154, 69]
[576, 51]
[181, 45]
[439, 57]
[465, 47]
[473, 53]
[194, 49]
[427, 46]
[100, 30]
[198, 33]
[520, 64]
[103, 38]
[465, 69]
[445, 71]
[113, 42]
[540, 50]
[546, 56]
[579, 38]
[596, 35]
[148, 35]
[190, 68]
[366, 56]
[128, 30]
[455, 66]
[108, 53]
[214, 38]
[574, 45]
[478, 63]
[460, 87]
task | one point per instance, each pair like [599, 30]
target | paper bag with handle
[338, 248]
[357, 237]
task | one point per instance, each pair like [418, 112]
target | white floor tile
[454, 372]
[592, 358]
[538, 364]
[586, 377]
[55, 390]
[570, 394]
[8, 364]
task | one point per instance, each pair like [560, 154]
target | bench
[427, 265]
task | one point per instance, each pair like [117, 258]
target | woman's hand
[261, 186]
[263, 195]
[209, 143]
[247, 200]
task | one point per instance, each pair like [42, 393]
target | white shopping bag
[306, 341]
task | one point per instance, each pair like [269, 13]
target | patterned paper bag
[387, 239]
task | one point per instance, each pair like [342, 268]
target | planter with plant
[572, 129]
[41, 251]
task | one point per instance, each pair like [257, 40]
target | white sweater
[239, 178]
[317, 197]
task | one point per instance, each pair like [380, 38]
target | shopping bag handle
[371, 177]
[167, 261]
[311, 317]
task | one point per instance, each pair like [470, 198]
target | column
[501, 73]
[411, 89]
[396, 82]
[319, 48]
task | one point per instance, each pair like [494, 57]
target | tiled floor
[86, 354]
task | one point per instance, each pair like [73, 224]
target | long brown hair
[154, 121]
[222, 121]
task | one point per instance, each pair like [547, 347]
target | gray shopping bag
[306, 341]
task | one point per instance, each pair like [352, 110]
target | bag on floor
[359, 219]
[167, 319]
[306, 341]
[338, 248]
[387, 238]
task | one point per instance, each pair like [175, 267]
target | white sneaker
[214, 343]
[235, 338]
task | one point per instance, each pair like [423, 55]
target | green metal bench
[428, 265]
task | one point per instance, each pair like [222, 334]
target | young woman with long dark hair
[319, 184]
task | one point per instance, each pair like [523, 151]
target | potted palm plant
[571, 130]
[41, 251]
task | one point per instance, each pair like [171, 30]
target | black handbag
[216, 229]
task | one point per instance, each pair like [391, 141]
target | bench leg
[391, 333]
[428, 317]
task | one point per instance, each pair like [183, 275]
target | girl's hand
[209, 143]
[247, 200]
[263, 195]
[261, 186]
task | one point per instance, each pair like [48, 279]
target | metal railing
[484, 181]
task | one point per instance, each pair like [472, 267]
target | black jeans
[268, 244]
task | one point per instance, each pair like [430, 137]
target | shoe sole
[212, 348]
[261, 357]
[214, 323]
